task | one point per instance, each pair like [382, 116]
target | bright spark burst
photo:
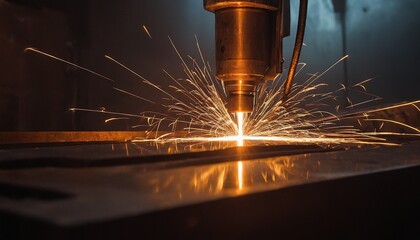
[196, 105]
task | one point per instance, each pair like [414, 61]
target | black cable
[303, 9]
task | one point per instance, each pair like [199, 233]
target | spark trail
[195, 105]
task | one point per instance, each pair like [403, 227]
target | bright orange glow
[240, 116]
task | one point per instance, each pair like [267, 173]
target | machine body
[249, 37]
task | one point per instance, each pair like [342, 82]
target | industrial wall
[36, 92]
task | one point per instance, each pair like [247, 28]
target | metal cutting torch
[249, 36]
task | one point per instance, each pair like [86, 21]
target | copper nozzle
[248, 47]
[240, 103]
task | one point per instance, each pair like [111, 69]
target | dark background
[36, 92]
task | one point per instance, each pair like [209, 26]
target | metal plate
[102, 193]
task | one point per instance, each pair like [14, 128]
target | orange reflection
[240, 175]
[230, 178]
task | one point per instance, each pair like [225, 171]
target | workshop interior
[209, 119]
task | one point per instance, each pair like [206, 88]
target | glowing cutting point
[240, 141]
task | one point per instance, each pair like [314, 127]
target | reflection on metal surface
[232, 177]
[240, 175]
[175, 147]
[154, 186]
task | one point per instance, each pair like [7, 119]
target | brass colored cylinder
[244, 44]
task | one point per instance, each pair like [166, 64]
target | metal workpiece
[248, 46]
[215, 199]
[208, 190]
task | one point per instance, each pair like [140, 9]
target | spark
[147, 31]
[361, 84]
[115, 119]
[195, 104]
[133, 95]
[395, 122]
[67, 62]
[414, 104]
[279, 139]
[103, 111]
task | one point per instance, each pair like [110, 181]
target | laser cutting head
[248, 45]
